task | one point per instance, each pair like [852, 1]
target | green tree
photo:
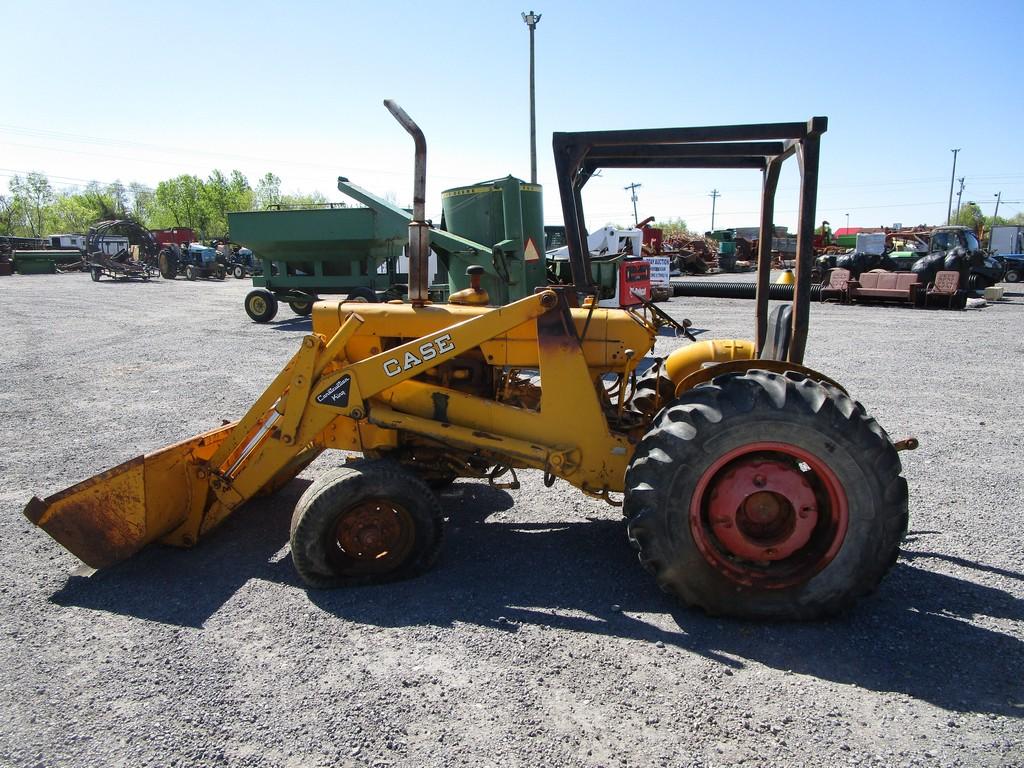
[11, 214]
[73, 212]
[33, 194]
[267, 192]
[179, 203]
[221, 195]
[301, 200]
[104, 201]
[969, 215]
[141, 201]
[118, 195]
[673, 227]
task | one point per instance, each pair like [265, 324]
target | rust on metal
[373, 536]
[101, 520]
[769, 514]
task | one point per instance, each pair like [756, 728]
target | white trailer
[1006, 239]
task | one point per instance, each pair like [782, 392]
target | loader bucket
[109, 517]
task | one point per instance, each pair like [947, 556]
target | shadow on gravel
[293, 324]
[914, 637]
[186, 586]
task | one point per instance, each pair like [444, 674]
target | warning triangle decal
[531, 253]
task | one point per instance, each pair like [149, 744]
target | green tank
[507, 215]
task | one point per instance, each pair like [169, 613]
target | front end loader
[752, 485]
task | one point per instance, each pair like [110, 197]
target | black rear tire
[301, 308]
[691, 486]
[261, 305]
[369, 522]
[167, 261]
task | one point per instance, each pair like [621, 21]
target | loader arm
[181, 492]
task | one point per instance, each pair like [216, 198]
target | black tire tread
[688, 422]
[323, 497]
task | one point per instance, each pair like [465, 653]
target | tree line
[33, 208]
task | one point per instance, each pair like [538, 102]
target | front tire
[366, 523]
[1012, 276]
[238, 272]
[768, 496]
[190, 273]
[95, 273]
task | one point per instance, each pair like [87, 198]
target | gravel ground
[537, 639]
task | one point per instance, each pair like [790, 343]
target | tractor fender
[707, 373]
[686, 361]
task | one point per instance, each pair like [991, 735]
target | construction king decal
[337, 393]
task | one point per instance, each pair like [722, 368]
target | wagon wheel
[301, 308]
[261, 305]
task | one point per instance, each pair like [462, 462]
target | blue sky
[134, 91]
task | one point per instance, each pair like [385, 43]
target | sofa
[885, 286]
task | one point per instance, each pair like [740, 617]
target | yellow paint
[357, 383]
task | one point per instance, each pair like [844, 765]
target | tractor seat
[780, 331]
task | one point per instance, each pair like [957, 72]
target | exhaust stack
[419, 230]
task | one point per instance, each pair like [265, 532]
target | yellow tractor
[752, 486]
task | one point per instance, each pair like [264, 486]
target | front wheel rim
[769, 514]
[258, 305]
[374, 536]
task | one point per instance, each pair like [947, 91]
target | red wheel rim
[371, 537]
[769, 515]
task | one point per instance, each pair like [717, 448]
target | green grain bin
[507, 215]
[319, 250]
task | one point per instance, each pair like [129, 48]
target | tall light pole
[531, 20]
[714, 195]
[952, 178]
[633, 188]
[999, 196]
[847, 225]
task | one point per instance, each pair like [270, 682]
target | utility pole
[633, 188]
[958, 194]
[949, 209]
[847, 225]
[531, 20]
[999, 196]
[714, 195]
